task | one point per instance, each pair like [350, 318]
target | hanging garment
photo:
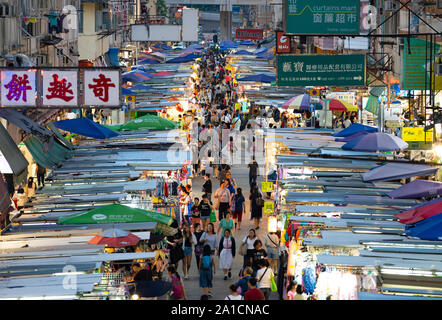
[308, 280]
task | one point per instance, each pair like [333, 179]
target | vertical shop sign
[282, 42]
[269, 207]
[325, 17]
[267, 187]
[102, 88]
[18, 88]
[59, 88]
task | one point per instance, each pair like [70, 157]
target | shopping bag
[213, 216]
[274, 287]
[243, 250]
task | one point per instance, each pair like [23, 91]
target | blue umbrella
[86, 127]
[354, 135]
[417, 189]
[376, 141]
[247, 43]
[428, 229]
[354, 128]
[259, 78]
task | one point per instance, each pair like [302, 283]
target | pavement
[220, 286]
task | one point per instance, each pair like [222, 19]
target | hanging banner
[59, 88]
[267, 187]
[321, 70]
[417, 138]
[18, 88]
[282, 43]
[102, 88]
[269, 207]
[322, 17]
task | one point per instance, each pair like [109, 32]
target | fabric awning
[417, 189]
[86, 127]
[52, 158]
[14, 161]
[396, 171]
[5, 200]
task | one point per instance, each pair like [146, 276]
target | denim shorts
[204, 217]
[272, 253]
[188, 251]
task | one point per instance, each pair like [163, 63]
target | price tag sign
[269, 207]
[267, 187]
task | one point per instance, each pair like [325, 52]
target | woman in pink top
[291, 290]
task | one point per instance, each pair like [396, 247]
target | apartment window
[102, 17]
[80, 19]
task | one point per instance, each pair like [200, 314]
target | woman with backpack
[256, 203]
[226, 251]
[177, 292]
[207, 271]
[243, 282]
[238, 207]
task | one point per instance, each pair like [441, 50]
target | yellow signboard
[269, 207]
[267, 187]
[417, 134]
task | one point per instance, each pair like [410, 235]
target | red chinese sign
[60, 88]
[102, 88]
[18, 88]
[250, 34]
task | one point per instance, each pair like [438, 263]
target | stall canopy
[349, 138]
[127, 92]
[60, 137]
[12, 160]
[355, 128]
[300, 103]
[196, 46]
[395, 171]
[421, 211]
[258, 78]
[228, 44]
[136, 76]
[115, 238]
[428, 229]
[339, 105]
[163, 73]
[51, 158]
[376, 141]
[5, 200]
[140, 87]
[417, 189]
[115, 213]
[86, 127]
[148, 121]
[260, 51]
[185, 59]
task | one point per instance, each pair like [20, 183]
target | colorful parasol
[340, 105]
[301, 102]
[115, 238]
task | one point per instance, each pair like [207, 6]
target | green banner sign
[325, 17]
[321, 70]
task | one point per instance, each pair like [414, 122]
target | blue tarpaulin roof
[113, 56]
[260, 51]
[396, 171]
[417, 189]
[187, 58]
[140, 87]
[247, 43]
[259, 78]
[148, 61]
[428, 229]
[265, 55]
[244, 52]
[86, 127]
[127, 92]
[228, 44]
[354, 128]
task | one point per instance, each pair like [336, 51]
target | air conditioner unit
[438, 69]
[390, 5]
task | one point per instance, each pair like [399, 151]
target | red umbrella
[115, 238]
[420, 212]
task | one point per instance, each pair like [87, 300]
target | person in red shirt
[253, 293]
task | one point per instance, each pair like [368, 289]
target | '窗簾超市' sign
[324, 17]
[249, 34]
[321, 70]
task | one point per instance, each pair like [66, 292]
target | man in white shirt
[264, 276]
[347, 122]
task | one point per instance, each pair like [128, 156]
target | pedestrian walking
[226, 251]
[205, 208]
[196, 235]
[194, 210]
[253, 172]
[233, 293]
[209, 237]
[258, 254]
[223, 199]
[187, 248]
[238, 208]
[244, 279]
[272, 243]
[256, 204]
[249, 241]
[207, 186]
[41, 172]
[264, 276]
[291, 290]
[226, 224]
[178, 291]
[207, 270]
[253, 293]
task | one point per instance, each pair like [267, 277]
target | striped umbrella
[301, 102]
[340, 105]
